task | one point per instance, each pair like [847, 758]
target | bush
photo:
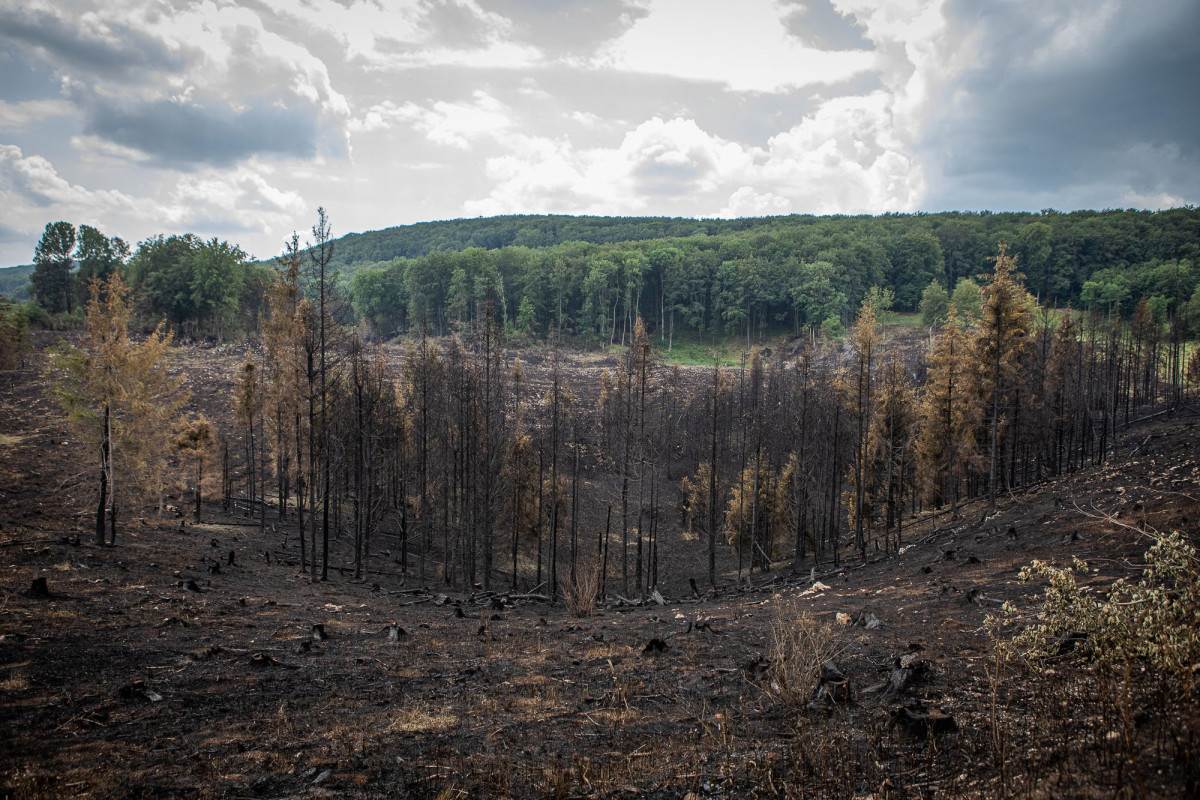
[800, 647]
[581, 591]
[1156, 619]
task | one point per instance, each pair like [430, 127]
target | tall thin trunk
[102, 507]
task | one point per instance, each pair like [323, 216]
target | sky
[238, 119]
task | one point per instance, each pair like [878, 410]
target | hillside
[14, 282]
[533, 231]
[194, 660]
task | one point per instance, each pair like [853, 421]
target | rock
[324, 776]
[318, 632]
[137, 690]
[395, 633]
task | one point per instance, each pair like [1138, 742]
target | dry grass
[419, 719]
[15, 682]
[799, 648]
[580, 592]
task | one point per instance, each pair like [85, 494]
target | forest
[586, 279]
[448, 448]
[529, 437]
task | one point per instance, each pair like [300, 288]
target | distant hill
[489, 233]
[14, 282]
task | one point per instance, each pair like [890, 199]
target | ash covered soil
[195, 660]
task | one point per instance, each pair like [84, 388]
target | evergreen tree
[53, 258]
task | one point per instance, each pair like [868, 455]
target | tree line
[470, 468]
[586, 279]
[791, 273]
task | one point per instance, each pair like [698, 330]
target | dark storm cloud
[1120, 110]
[182, 134]
[819, 25]
[124, 52]
[566, 26]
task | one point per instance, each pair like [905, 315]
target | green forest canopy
[590, 277]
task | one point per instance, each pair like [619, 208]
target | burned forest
[943, 559]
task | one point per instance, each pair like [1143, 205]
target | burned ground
[194, 660]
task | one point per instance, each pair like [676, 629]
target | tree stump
[38, 590]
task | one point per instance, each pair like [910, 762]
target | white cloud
[23, 114]
[845, 158]
[444, 123]
[33, 179]
[236, 56]
[746, 47]
[95, 149]
[406, 34]
[241, 198]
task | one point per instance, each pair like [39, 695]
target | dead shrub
[799, 648]
[581, 590]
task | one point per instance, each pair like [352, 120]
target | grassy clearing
[687, 351]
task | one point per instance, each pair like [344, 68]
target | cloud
[1097, 107]
[241, 200]
[843, 159]
[209, 201]
[570, 29]
[204, 84]
[34, 180]
[818, 24]
[23, 114]
[749, 50]
[181, 132]
[106, 47]
[410, 34]
[443, 123]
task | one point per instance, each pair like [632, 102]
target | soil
[195, 660]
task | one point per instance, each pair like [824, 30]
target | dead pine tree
[1005, 326]
[193, 440]
[119, 394]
